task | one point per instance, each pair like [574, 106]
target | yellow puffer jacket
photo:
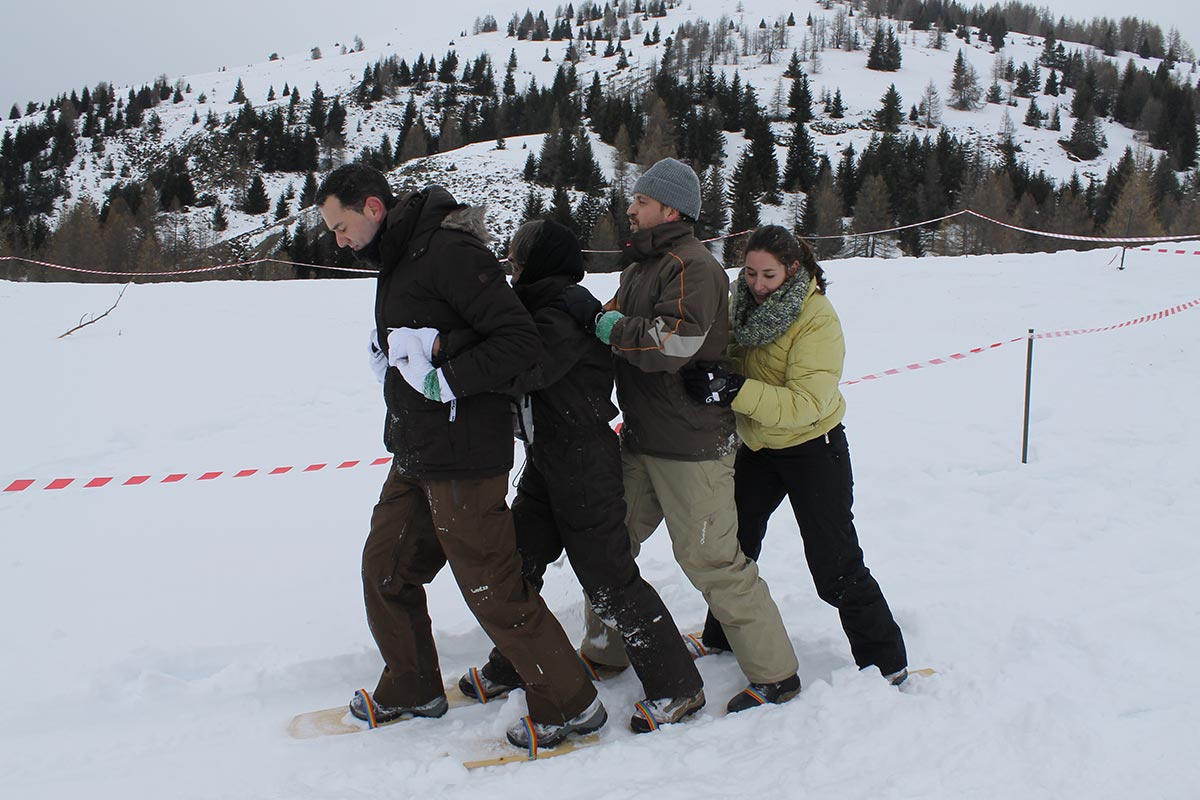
[791, 392]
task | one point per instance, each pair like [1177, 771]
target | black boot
[759, 694]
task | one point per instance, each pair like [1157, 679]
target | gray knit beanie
[672, 183]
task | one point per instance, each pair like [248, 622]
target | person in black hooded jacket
[449, 428]
[571, 494]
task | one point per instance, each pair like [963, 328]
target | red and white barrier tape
[1077, 238]
[1169, 250]
[933, 362]
[26, 484]
[178, 477]
[974, 351]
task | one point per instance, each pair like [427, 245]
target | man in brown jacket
[671, 309]
[444, 497]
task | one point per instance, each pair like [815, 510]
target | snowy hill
[160, 635]
[483, 171]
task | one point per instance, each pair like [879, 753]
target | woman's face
[764, 274]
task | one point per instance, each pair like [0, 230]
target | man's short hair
[352, 184]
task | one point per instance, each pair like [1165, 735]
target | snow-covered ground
[159, 637]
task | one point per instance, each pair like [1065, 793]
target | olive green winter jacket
[791, 392]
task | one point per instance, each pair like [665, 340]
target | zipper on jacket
[453, 409]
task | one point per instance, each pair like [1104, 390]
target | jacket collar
[412, 221]
[655, 241]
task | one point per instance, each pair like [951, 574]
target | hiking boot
[759, 694]
[477, 686]
[597, 671]
[364, 707]
[897, 678]
[694, 642]
[531, 735]
[652, 713]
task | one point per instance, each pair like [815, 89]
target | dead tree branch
[83, 324]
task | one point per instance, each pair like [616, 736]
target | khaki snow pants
[696, 500]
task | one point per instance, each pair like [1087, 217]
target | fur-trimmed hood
[471, 220]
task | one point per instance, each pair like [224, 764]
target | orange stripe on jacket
[682, 294]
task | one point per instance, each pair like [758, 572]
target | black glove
[580, 304]
[709, 382]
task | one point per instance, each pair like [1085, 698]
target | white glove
[414, 365]
[426, 336]
[407, 352]
[379, 362]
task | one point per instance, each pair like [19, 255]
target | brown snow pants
[416, 527]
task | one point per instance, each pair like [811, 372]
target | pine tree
[316, 111]
[1087, 140]
[256, 201]
[1033, 117]
[837, 110]
[964, 86]
[847, 178]
[219, 221]
[560, 209]
[308, 195]
[891, 113]
[282, 208]
[800, 99]
[800, 170]
[1055, 121]
[744, 195]
[239, 93]
[535, 207]
[762, 153]
[1052, 88]
[713, 216]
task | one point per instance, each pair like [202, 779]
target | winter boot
[898, 677]
[600, 672]
[533, 735]
[694, 642]
[476, 685]
[759, 694]
[652, 713]
[364, 707]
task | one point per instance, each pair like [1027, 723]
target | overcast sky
[51, 48]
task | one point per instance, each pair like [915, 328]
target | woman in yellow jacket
[786, 361]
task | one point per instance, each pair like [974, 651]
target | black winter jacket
[572, 382]
[437, 273]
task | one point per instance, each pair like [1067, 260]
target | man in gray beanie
[671, 310]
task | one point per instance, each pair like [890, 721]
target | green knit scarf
[755, 325]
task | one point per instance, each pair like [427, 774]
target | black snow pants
[817, 479]
[571, 497]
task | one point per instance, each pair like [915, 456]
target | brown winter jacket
[437, 273]
[675, 302]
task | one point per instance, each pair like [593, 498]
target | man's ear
[672, 213]
[373, 209]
